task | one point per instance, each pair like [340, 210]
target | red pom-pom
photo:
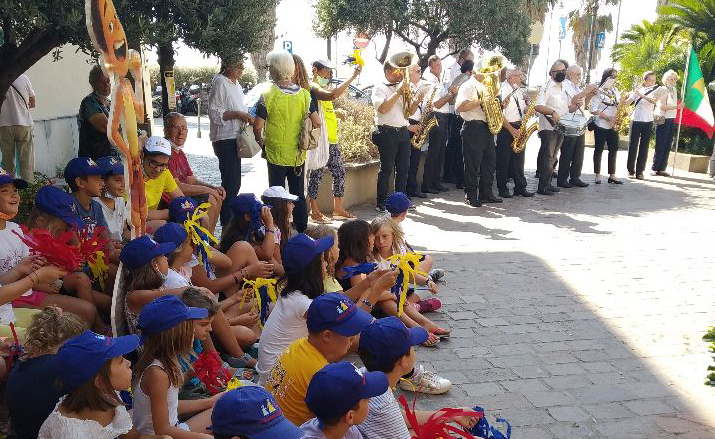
[57, 250]
[210, 371]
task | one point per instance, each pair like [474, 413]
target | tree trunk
[386, 47]
[258, 58]
[166, 63]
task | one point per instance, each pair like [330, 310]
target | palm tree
[580, 24]
[696, 17]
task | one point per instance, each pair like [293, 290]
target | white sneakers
[425, 381]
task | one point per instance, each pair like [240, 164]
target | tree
[267, 38]
[580, 21]
[697, 18]
[429, 25]
[32, 29]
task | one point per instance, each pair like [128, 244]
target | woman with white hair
[641, 125]
[280, 113]
[665, 112]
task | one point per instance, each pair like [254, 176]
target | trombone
[402, 61]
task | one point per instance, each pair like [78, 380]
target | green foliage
[353, 135]
[429, 25]
[198, 75]
[27, 197]
[697, 19]
[710, 338]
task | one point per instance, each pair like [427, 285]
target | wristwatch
[366, 302]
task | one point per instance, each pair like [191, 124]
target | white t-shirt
[14, 110]
[311, 430]
[470, 90]
[395, 117]
[175, 280]
[58, 426]
[554, 98]
[643, 112]
[116, 219]
[384, 419]
[12, 249]
[224, 96]
[515, 109]
[285, 324]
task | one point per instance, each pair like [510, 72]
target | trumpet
[490, 67]
[403, 61]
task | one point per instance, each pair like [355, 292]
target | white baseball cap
[324, 62]
[158, 144]
[279, 192]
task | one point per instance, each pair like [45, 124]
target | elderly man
[453, 156]
[16, 128]
[175, 130]
[509, 163]
[571, 159]
[438, 136]
[93, 117]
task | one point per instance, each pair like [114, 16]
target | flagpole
[682, 100]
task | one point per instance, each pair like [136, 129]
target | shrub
[354, 133]
[198, 75]
[27, 197]
[710, 338]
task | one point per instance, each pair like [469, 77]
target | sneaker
[436, 274]
[428, 305]
[380, 208]
[424, 381]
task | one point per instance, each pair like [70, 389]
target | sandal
[428, 305]
[431, 341]
[441, 333]
[345, 215]
[321, 219]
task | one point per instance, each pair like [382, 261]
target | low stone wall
[360, 186]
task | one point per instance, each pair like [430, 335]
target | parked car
[354, 92]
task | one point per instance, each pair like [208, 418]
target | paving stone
[568, 414]
[564, 369]
[563, 382]
[495, 321]
[549, 398]
[631, 428]
[612, 410]
[530, 371]
[463, 315]
[482, 389]
[477, 351]
[521, 418]
[521, 386]
[490, 374]
[557, 358]
[648, 407]
[676, 425]
[598, 367]
[571, 430]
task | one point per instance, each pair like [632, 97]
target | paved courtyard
[573, 316]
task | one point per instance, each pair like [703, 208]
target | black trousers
[277, 176]
[435, 153]
[509, 164]
[603, 137]
[415, 155]
[229, 165]
[638, 146]
[453, 155]
[663, 140]
[394, 147]
[550, 144]
[479, 159]
[571, 158]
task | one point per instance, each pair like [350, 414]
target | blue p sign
[562, 28]
[288, 45]
[601, 40]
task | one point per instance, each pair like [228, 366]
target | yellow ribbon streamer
[98, 267]
[233, 383]
[255, 286]
[408, 264]
[193, 227]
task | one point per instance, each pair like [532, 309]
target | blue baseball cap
[81, 357]
[140, 251]
[397, 203]
[171, 232]
[300, 250]
[165, 312]
[388, 339]
[336, 312]
[111, 165]
[244, 203]
[6, 178]
[59, 203]
[181, 208]
[81, 167]
[252, 412]
[338, 387]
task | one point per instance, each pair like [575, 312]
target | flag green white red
[697, 111]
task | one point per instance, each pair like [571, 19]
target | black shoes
[441, 188]
[563, 184]
[578, 183]
[472, 202]
[544, 191]
[505, 194]
[553, 189]
[427, 190]
[460, 186]
[614, 181]
[417, 194]
[524, 193]
[490, 199]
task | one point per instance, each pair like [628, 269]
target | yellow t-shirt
[331, 285]
[155, 187]
[289, 378]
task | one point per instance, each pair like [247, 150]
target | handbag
[318, 157]
[246, 142]
[308, 135]
[658, 119]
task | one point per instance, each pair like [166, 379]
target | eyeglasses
[178, 128]
[156, 165]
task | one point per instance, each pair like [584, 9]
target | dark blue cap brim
[18, 182]
[198, 313]
[418, 335]
[123, 345]
[283, 429]
[376, 384]
[324, 244]
[73, 221]
[353, 324]
[165, 248]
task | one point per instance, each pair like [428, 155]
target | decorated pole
[679, 118]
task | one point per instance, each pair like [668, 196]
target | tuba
[490, 67]
[403, 61]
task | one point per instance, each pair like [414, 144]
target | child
[330, 257]
[52, 211]
[114, 206]
[338, 396]
[167, 326]
[281, 202]
[333, 321]
[181, 260]
[157, 178]
[387, 345]
[30, 390]
[85, 179]
[250, 412]
[93, 372]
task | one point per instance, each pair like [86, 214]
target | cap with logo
[181, 208]
[301, 249]
[245, 203]
[279, 192]
[111, 165]
[82, 167]
[157, 145]
[388, 339]
[6, 178]
[165, 312]
[59, 203]
[171, 232]
[140, 251]
[338, 387]
[81, 357]
[252, 412]
[336, 312]
[397, 203]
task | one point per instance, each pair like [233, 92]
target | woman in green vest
[280, 113]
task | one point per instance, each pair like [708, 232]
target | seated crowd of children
[244, 336]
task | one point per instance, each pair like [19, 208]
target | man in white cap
[157, 177]
[322, 72]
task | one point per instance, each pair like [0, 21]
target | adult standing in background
[453, 157]
[226, 113]
[93, 118]
[667, 109]
[16, 128]
[438, 135]
[604, 106]
[641, 125]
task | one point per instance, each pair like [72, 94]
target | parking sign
[601, 40]
[288, 45]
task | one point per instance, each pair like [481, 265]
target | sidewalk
[574, 316]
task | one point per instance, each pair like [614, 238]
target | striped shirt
[384, 419]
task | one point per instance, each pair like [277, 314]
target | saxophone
[621, 113]
[519, 143]
[427, 122]
[490, 67]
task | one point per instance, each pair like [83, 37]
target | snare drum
[572, 125]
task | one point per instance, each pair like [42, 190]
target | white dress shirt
[554, 98]
[470, 90]
[439, 94]
[515, 109]
[449, 76]
[605, 104]
[224, 96]
[643, 112]
[15, 109]
[572, 90]
[395, 117]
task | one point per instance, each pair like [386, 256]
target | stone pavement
[573, 316]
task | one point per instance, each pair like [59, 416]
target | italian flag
[697, 111]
